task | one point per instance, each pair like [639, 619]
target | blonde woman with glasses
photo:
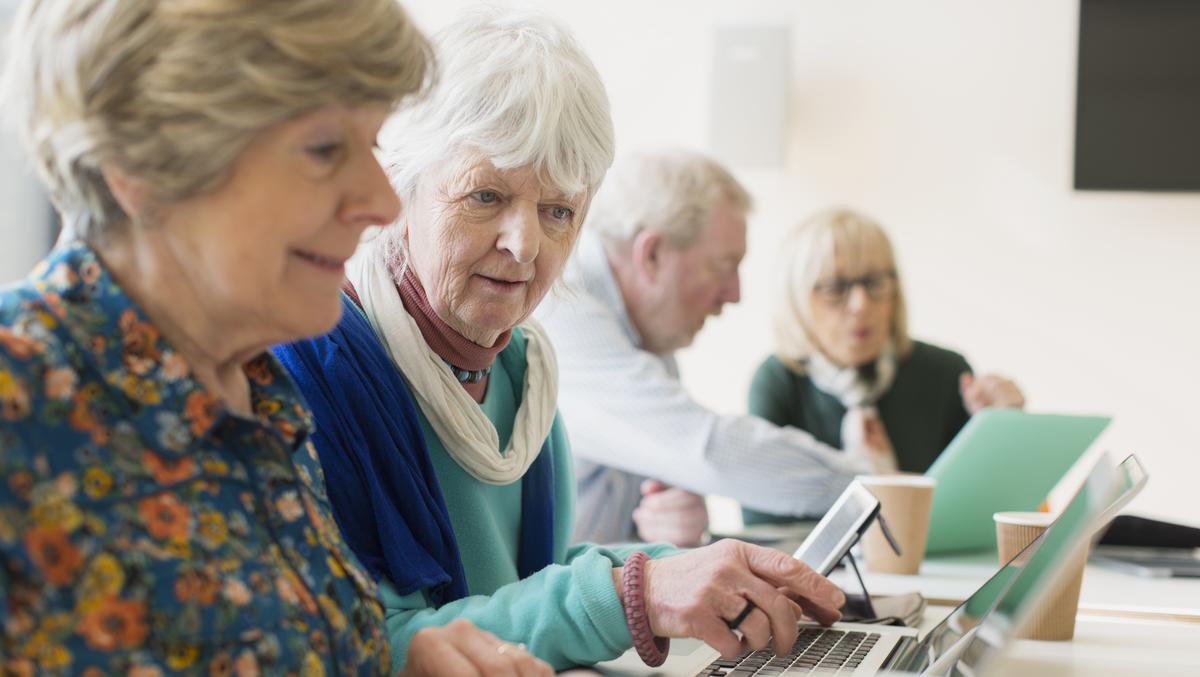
[843, 353]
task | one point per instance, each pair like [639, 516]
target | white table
[949, 580]
[1126, 625]
[1108, 645]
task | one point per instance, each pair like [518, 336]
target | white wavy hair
[672, 191]
[515, 87]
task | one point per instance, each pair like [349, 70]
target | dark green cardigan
[922, 411]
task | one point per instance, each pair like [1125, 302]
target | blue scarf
[380, 480]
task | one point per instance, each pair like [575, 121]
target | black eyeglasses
[836, 292]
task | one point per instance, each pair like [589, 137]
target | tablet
[839, 529]
[1002, 460]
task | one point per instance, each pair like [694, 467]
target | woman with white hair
[463, 505]
[212, 161]
[843, 351]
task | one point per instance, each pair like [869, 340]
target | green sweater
[567, 613]
[922, 411]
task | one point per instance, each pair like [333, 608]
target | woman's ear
[132, 194]
[647, 253]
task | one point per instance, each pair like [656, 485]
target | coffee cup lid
[1025, 519]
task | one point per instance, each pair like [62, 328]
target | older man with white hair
[660, 254]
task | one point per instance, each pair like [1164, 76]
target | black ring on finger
[750, 607]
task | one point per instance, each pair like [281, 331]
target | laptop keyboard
[816, 650]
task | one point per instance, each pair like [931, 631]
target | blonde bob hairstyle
[513, 87]
[808, 251]
[671, 191]
[172, 91]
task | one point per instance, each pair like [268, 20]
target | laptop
[1036, 575]
[1022, 455]
[864, 649]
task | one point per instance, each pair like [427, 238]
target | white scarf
[466, 433]
[853, 389]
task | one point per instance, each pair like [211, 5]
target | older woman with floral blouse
[213, 164]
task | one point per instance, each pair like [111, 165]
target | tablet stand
[867, 607]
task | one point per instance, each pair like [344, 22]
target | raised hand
[989, 390]
[863, 431]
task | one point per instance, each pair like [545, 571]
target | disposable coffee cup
[1054, 617]
[904, 503]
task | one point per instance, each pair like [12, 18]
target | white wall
[24, 213]
[952, 122]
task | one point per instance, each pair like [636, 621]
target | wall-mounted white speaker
[748, 104]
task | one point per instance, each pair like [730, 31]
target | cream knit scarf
[853, 388]
[460, 424]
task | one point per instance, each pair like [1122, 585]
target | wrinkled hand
[462, 650]
[694, 594]
[670, 515]
[989, 390]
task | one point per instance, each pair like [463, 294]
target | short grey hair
[515, 87]
[809, 248]
[671, 191]
[173, 92]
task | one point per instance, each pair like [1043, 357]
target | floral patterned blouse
[144, 530]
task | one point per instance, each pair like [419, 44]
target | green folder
[1002, 459]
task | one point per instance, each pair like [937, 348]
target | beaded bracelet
[653, 650]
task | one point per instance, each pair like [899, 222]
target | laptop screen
[1103, 494]
[997, 599]
[966, 617]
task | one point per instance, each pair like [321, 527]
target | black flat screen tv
[1137, 105]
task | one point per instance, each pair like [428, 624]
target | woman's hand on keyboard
[698, 593]
[462, 650]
